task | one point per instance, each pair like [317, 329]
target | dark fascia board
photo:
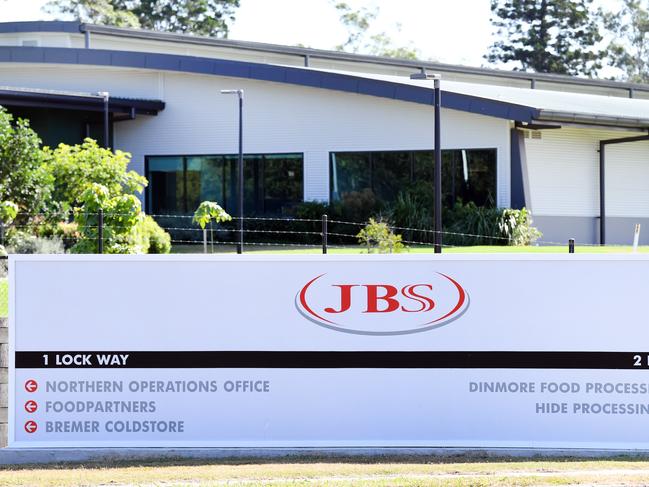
[78, 102]
[41, 26]
[266, 72]
[307, 52]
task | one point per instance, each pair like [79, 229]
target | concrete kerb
[44, 456]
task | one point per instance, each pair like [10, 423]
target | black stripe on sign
[336, 360]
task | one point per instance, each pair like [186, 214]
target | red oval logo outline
[456, 312]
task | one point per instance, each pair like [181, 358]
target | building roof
[308, 53]
[549, 106]
[73, 100]
[518, 104]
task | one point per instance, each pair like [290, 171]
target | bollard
[571, 246]
[100, 231]
[636, 237]
[324, 234]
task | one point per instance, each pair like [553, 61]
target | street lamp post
[437, 136]
[438, 166]
[239, 93]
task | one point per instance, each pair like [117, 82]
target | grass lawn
[380, 471]
[480, 249]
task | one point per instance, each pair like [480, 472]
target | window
[467, 174]
[273, 183]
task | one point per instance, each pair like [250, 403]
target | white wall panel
[563, 169]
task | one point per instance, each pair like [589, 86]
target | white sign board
[326, 351]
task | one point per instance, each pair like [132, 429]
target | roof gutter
[592, 119]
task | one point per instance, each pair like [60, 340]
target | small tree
[122, 213]
[207, 212]
[379, 236]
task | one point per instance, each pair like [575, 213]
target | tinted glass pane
[283, 182]
[423, 167]
[391, 172]
[350, 171]
[467, 175]
[273, 184]
[166, 185]
[470, 175]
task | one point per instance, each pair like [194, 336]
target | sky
[448, 31]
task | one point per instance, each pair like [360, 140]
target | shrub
[464, 224]
[379, 236]
[24, 243]
[517, 226]
[152, 237]
[23, 179]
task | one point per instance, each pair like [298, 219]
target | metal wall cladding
[563, 174]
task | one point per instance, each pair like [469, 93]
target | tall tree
[629, 49]
[200, 17]
[359, 40]
[547, 36]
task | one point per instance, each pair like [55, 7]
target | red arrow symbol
[31, 426]
[31, 406]
[31, 385]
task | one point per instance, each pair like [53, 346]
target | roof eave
[591, 119]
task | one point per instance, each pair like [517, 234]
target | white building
[318, 124]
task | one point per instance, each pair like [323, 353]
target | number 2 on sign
[637, 361]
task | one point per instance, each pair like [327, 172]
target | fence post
[100, 231]
[324, 234]
[636, 237]
[571, 246]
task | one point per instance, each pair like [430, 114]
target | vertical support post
[571, 246]
[100, 231]
[205, 240]
[602, 194]
[2, 234]
[324, 234]
[86, 37]
[438, 168]
[240, 246]
[106, 97]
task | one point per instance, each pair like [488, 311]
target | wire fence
[257, 232]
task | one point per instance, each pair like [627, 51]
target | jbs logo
[371, 308]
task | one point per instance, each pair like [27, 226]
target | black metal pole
[438, 169]
[100, 231]
[571, 246]
[106, 96]
[240, 246]
[602, 194]
[324, 234]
